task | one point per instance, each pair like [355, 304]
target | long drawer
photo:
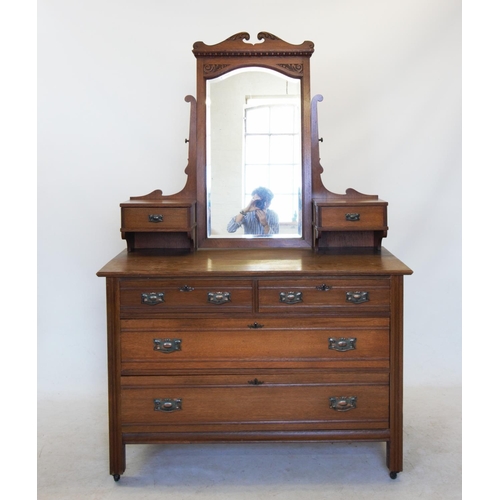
[324, 294]
[163, 344]
[323, 401]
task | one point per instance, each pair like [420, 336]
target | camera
[260, 204]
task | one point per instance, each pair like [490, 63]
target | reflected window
[272, 153]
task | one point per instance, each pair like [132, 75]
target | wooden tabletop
[249, 262]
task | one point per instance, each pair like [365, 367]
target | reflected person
[257, 218]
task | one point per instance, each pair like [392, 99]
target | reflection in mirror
[253, 140]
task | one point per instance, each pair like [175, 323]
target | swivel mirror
[253, 122]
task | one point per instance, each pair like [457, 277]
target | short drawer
[324, 294]
[318, 400]
[356, 218]
[155, 345]
[156, 297]
[152, 219]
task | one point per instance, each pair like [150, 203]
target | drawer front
[150, 345]
[153, 219]
[256, 398]
[354, 218]
[156, 297]
[324, 294]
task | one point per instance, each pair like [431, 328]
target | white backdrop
[112, 77]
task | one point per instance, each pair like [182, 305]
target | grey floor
[72, 460]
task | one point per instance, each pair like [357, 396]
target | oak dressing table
[213, 338]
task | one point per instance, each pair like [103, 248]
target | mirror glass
[253, 135]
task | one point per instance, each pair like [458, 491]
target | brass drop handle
[153, 298]
[342, 344]
[167, 346]
[357, 297]
[155, 218]
[291, 297]
[218, 297]
[343, 403]
[167, 405]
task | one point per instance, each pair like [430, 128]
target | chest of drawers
[254, 345]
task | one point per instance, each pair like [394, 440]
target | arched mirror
[253, 137]
[253, 143]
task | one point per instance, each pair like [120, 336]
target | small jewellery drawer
[153, 297]
[356, 217]
[334, 401]
[160, 218]
[149, 346]
[324, 294]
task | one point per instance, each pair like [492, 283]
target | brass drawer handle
[352, 217]
[343, 403]
[155, 218]
[167, 405]
[357, 297]
[167, 345]
[291, 297]
[342, 344]
[153, 298]
[219, 297]
[255, 325]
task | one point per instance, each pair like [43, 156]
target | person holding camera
[257, 218]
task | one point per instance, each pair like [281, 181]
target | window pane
[255, 176]
[281, 179]
[285, 207]
[282, 149]
[282, 120]
[257, 149]
[257, 120]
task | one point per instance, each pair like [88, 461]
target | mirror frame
[235, 53]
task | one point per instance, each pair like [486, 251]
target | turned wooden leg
[116, 460]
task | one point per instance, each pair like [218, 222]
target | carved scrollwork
[213, 68]
[295, 68]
